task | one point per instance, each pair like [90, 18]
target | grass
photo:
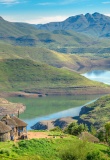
[44, 149]
[22, 74]
[98, 112]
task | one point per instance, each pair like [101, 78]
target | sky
[44, 11]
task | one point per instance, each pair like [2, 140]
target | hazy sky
[43, 11]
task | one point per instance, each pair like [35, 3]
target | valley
[38, 62]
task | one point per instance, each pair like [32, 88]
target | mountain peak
[96, 14]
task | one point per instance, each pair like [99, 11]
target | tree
[93, 130]
[107, 131]
[75, 128]
[101, 135]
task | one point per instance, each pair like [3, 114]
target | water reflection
[99, 75]
[72, 112]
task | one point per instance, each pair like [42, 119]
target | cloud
[43, 20]
[107, 2]
[38, 20]
[46, 4]
[9, 2]
[62, 2]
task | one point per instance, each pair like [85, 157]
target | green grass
[47, 149]
[98, 112]
[21, 74]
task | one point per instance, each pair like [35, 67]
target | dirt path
[32, 135]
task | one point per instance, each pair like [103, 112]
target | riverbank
[76, 90]
[7, 107]
[50, 124]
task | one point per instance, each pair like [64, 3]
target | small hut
[4, 132]
[21, 126]
[17, 125]
[86, 136]
[10, 122]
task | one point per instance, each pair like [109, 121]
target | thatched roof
[9, 121]
[4, 128]
[88, 137]
[19, 122]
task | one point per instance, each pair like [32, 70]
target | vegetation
[53, 149]
[98, 113]
[21, 74]
[76, 129]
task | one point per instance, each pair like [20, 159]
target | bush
[5, 151]
[94, 156]
[75, 152]
[56, 129]
[75, 128]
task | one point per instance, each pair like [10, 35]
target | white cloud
[107, 2]
[38, 20]
[62, 2]
[9, 1]
[43, 20]
[46, 4]
[108, 14]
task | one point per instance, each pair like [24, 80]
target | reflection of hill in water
[97, 72]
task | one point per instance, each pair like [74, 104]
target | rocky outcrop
[50, 124]
[85, 110]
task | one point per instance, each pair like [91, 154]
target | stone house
[4, 132]
[18, 127]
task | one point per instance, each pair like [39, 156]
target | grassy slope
[98, 112]
[53, 58]
[47, 149]
[21, 74]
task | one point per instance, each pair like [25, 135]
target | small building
[86, 136]
[18, 126]
[21, 126]
[4, 132]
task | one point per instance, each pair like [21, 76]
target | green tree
[107, 131]
[75, 128]
[93, 130]
[101, 135]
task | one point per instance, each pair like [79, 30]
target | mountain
[64, 41]
[95, 24]
[30, 76]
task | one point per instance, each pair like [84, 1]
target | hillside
[97, 113]
[26, 75]
[95, 24]
[39, 54]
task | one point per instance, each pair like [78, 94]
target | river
[52, 107]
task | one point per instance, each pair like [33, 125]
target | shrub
[5, 151]
[94, 156]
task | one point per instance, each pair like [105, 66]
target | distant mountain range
[69, 36]
[95, 24]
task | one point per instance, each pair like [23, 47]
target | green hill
[27, 75]
[53, 58]
[97, 113]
